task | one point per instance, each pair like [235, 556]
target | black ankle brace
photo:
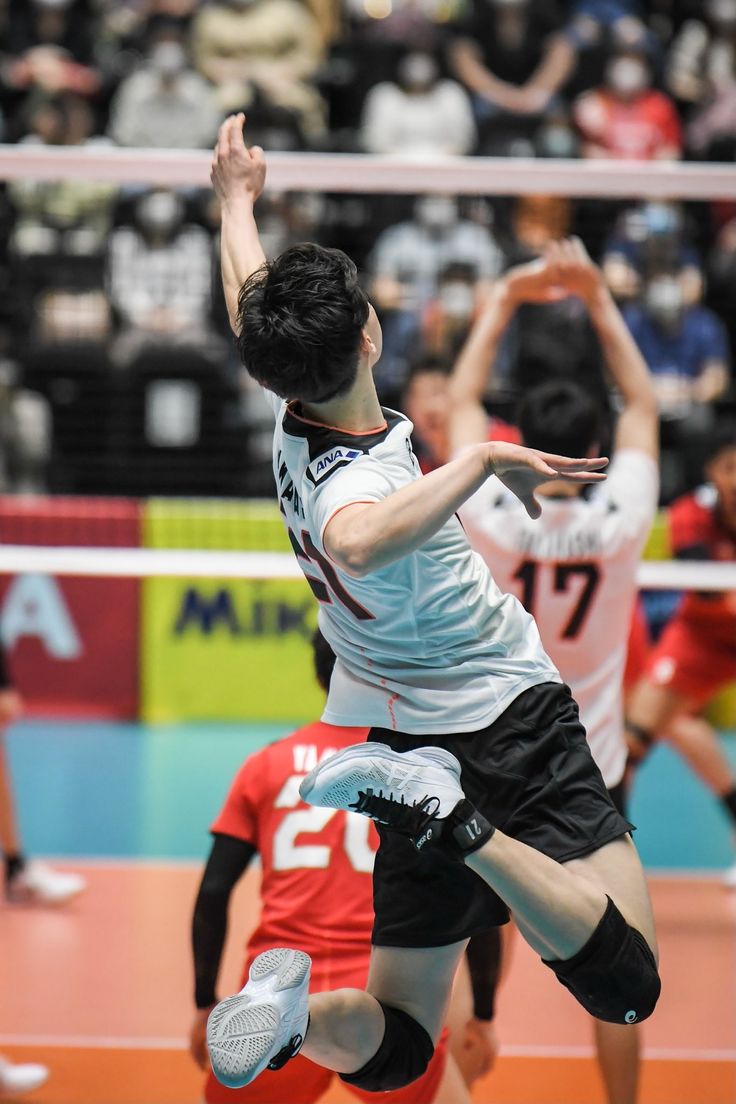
[459, 834]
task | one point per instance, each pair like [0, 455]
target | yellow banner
[231, 650]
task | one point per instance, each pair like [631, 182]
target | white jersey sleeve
[364, 480]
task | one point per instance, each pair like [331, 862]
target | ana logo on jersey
[325, 464]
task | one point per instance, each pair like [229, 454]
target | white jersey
[428, 644]
[575, 571]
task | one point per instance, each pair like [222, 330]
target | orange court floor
[101, 993]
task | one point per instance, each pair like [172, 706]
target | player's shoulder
[330, 448]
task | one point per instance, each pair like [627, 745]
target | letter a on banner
[35, 606]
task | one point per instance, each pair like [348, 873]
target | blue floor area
[131, 791]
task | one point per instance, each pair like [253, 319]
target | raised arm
[638, 423]
[527, 283]
[362, 538]
[238, 176]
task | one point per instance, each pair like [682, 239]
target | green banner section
[228, 650]
[224, 524]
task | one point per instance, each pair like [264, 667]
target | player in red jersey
[316, 894]
[696, 654]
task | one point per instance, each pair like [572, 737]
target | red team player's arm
[238, 177]
[235, 836]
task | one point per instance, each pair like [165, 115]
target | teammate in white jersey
[429, 652]
[575, 568]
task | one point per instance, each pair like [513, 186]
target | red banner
[71, 643]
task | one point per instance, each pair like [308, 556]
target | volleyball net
[125, 414]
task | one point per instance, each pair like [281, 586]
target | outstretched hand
[237, 170]
[522, 470]
[564, 269]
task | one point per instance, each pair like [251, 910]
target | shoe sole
[241, 1034]
[437, 757]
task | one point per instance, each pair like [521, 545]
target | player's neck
[357, 411]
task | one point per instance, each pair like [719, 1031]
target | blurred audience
[160, 277]
[625, 117]
[687, 350]
[702, 57]
[165, 103]
[513, 56]
[649, 238]
[409, 257]
[419, 114]
[262, 56]
[95, 277]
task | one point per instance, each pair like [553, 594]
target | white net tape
[363, 173]
[159, 562]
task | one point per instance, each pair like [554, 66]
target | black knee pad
[614, 976]
[402, 1057]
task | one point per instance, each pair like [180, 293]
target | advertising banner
[229, 650]
[71, 644]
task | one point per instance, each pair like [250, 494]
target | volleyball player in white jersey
[574, 569]
[505, 807]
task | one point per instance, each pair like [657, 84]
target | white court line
[124, 1042]
[652, 1054]
[130, 862]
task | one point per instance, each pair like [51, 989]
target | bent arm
[227, 862]
[362, 538]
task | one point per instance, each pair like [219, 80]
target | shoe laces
[410, 820]
[289, 1051]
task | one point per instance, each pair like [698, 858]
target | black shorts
[532, 775]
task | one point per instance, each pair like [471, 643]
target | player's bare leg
[9, 837]
[452, 1088]
[659, 712]
[697, 742]
[347, 1026]
[590, 919]
[617, 1049]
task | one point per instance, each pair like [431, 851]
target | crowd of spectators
[112, 333]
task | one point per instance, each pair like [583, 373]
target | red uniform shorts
[692, 661]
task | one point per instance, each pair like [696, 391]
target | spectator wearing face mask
[419, 114]
[513, 56]
[409, 257]
[648, 238]
[165, 103]
[160, 276]
[448, 316]
[406, 266]
[685, 347]
[626, 118]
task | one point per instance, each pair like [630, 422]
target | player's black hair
[324, 660]
[560, 417]
[723, 438]
[299, 323]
